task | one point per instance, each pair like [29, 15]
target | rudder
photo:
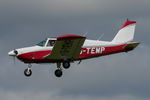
[126, 33]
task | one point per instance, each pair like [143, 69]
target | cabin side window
[51, 43]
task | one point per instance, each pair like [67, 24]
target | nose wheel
[28, 71]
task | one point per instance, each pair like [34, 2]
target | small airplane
[66, 49]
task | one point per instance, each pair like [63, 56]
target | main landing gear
[58, 71]
[66, 64]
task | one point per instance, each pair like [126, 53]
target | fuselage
[90, 49]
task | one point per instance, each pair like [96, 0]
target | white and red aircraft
[69, 48]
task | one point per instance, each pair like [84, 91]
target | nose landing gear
[28, 71]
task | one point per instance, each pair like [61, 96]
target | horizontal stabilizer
[131, 46]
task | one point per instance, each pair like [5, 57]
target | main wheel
[58, 73]
[27, 72]
[66, 64]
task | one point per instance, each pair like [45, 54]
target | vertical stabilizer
[126, 33]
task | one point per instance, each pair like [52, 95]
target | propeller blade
[14, 60]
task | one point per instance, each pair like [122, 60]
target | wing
[67, 47]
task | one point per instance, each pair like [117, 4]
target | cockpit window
[42, 43]
[51, 43]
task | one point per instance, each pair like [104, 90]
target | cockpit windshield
[42, 43]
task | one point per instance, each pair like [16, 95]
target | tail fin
[126, 33]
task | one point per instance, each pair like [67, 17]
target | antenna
[100, 37]
[127, 19]
[85, 34]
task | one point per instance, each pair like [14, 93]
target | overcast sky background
[124, 76]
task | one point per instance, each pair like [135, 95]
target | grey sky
[116, 77]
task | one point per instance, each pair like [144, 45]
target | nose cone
[12, 53]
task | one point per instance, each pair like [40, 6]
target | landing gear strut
[28, 71]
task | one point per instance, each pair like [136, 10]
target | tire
[66, 65]
[26, 73]
[58, 73]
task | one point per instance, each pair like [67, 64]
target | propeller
[13, 53]
[14, 60]
[14, 57]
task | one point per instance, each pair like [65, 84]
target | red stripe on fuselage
[89, 52]
[100, 51]
[33, 56]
